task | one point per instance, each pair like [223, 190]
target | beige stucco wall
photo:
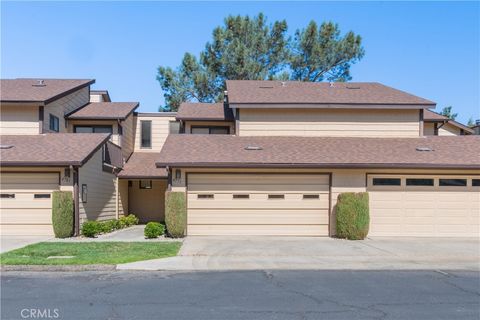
[64, 105]
[19, 120]
[101, 195]
[160, 131]
[148, 204]
[189, 124]
[329, 122]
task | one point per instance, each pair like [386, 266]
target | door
[26, 203]
[424, 205]
[258, 204]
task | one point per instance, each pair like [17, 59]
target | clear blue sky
[430, 49]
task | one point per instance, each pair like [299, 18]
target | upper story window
[92, 129]
[54, 123]
[146, 133]
[209, 130]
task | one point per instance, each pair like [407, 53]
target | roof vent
[331, 85]
[353, 87]
[6, 146]
[424, 149]
[39, 83]
[253, 148]
[266, 87]
[284, 83]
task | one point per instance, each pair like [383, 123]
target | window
[276, 196]
[475, 182]
[386, 181]
[120, 130]
[174, 127]
[146, 134]
[453, 182]
[419, 182]
[241, 196]
[204, 196]
[7, 196]
[311, 196]
[93, 129]
[41, 196]
[145, 184]
[210, 130]
[54, 123]
[84, 193]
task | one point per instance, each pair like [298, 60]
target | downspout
[169, 177]
[116, 200]
[76, 201]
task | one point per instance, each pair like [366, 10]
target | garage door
[26, 204]
[424, 206]
[258, 204]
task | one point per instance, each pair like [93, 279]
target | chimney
[284, 83]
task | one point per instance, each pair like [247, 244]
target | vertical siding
[65, 105]
[329, 122]
[128, 138]
[19, 120]
[101, 197]
[160, 131]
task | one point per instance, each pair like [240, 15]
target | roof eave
[281, 105]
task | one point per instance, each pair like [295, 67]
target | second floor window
[54, 123]
[146, 134]
[93, 129]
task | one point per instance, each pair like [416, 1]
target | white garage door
[424, 206]
[258, 204]
[26, 203]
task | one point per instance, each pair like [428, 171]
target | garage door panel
[28, 230]
[30, 178]
[26, 204]
[256, 179]
[419, 212]
[258, 188]
[22, 216]
[267, 230]
[257, 204]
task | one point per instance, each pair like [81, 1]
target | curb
[66, 268]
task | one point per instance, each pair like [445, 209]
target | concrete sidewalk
[274, 253]
[8, 243]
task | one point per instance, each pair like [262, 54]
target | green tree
[447, 112]
[471, 122]
[247, 48]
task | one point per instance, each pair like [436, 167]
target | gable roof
[52, 149]
[204, 111]
[104, 110]
[319, 152]
[430, 116]
[142, 165]
[39, 90]
[324, 94]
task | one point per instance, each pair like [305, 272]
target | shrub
[176, 213]
[91, 228]
[352, 213]
[62, 214]
[127, 221]
[109, 226]
[154, 230]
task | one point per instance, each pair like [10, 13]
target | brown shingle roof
[295, 92]
[29, 90]
[105, 110]
[204, 111]
[430, 116]
[50, 149]
[142, 165]
[323, 152]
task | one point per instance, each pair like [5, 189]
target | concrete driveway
[8, 243]
[292, 253]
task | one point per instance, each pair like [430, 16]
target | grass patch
[89, 253]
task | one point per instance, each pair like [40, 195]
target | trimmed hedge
[93, 228]
[154, 230]
[62, 214]
[176, 213]
[352, 215]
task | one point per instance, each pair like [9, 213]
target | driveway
[292, 253]
[8, 243]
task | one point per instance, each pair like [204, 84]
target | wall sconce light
[67, 172]
[178, 174]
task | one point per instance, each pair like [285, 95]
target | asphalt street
[241, 295]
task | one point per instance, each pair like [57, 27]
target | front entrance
[258, 204]
[146, 199]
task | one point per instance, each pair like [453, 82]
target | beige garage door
[258, 204]
[424, 206]
[26, 204]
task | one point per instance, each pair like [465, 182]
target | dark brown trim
[321, 105]
[209, 128]
[421, 125]
[76, 202]
[75, 110]
[319, 166]
[71, 115]
[435, 129]
[143, 177]
[75, 126]
[205, 119]
[41, 116]
[155, 114]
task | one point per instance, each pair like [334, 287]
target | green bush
[154, 230]
[62, 214]
[176, 213]
[127, 221]
[109, 226]
[352, 213]
[91, 229]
